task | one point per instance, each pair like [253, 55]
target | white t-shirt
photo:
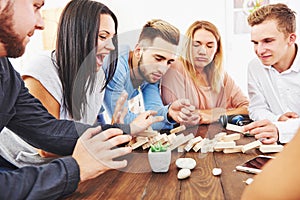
[42, 69]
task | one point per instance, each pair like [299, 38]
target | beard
[12, 42]
[141, 73]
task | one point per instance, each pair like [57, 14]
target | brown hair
[285, 17]
[159, 28]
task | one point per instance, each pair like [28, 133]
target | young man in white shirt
[273, 77]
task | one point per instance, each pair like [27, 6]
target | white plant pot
[159, 161]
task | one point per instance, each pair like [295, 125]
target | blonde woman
[198, 75]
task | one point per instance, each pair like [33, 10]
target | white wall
[132, 15]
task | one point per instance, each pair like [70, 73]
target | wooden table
[137, 181]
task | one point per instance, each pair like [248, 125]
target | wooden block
[218, 149]
[199, 145]
[155, 139]
[171, 137]
[235, 128]
[148, 133]
[141, 138]
[180, 149]
[208, 145]
[181, 140]
[271, 148]
[178, 129]
[139, 143]
[131, 142]
[251, 145]
[223, 145]
[236, 149]
[164, 138]
[220, 136]
[231, 137]
[146, 145]
[192, 142]
[177, 141]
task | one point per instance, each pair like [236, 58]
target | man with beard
[25, 115]
[140, 71]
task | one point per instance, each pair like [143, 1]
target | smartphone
[254, 165]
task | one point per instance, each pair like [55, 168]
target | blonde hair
[214, 71]
[285, 17]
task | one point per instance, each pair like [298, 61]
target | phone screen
[257, 162]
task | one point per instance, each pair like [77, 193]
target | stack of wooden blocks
[221, 142]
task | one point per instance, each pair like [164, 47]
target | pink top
[176, 84]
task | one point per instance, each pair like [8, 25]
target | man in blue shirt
[143, 68]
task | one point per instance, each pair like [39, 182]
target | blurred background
[228, 15]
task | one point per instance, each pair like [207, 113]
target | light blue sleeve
[152, 101]
[119, 83]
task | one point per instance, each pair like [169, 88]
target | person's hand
[95, 151]
[120, 111]
[206, 117]
[45, 154]
[263, 130]
[183, 112]
[288, 115]
[143, 121]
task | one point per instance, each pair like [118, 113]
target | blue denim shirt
[121, 81]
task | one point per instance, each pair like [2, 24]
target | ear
[138, 51]
[292, 38]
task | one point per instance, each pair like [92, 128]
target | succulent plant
[158, 147]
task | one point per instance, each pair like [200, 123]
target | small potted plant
[159, 157]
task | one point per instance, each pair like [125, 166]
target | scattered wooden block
[231, 137]
[199, 145]
[148, 133]
[218, 149]
[139, 143]
[236, 149]
[171, 137]
[224, 145]
[209, 145]
[178, 129]
[181, 140]
[176, 141]
[141, 138]
[164, 138]
[192, 142]
[146, 145]
[235, 128]
[180, 149]
[271, 148]
[251, 145]
[220, 136]
[155, 139]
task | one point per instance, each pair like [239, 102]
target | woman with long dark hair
[70, 80]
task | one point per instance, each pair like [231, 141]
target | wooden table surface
[137, 181]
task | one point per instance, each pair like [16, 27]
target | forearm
[51, 181]
[238, 111]
[260, 114]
